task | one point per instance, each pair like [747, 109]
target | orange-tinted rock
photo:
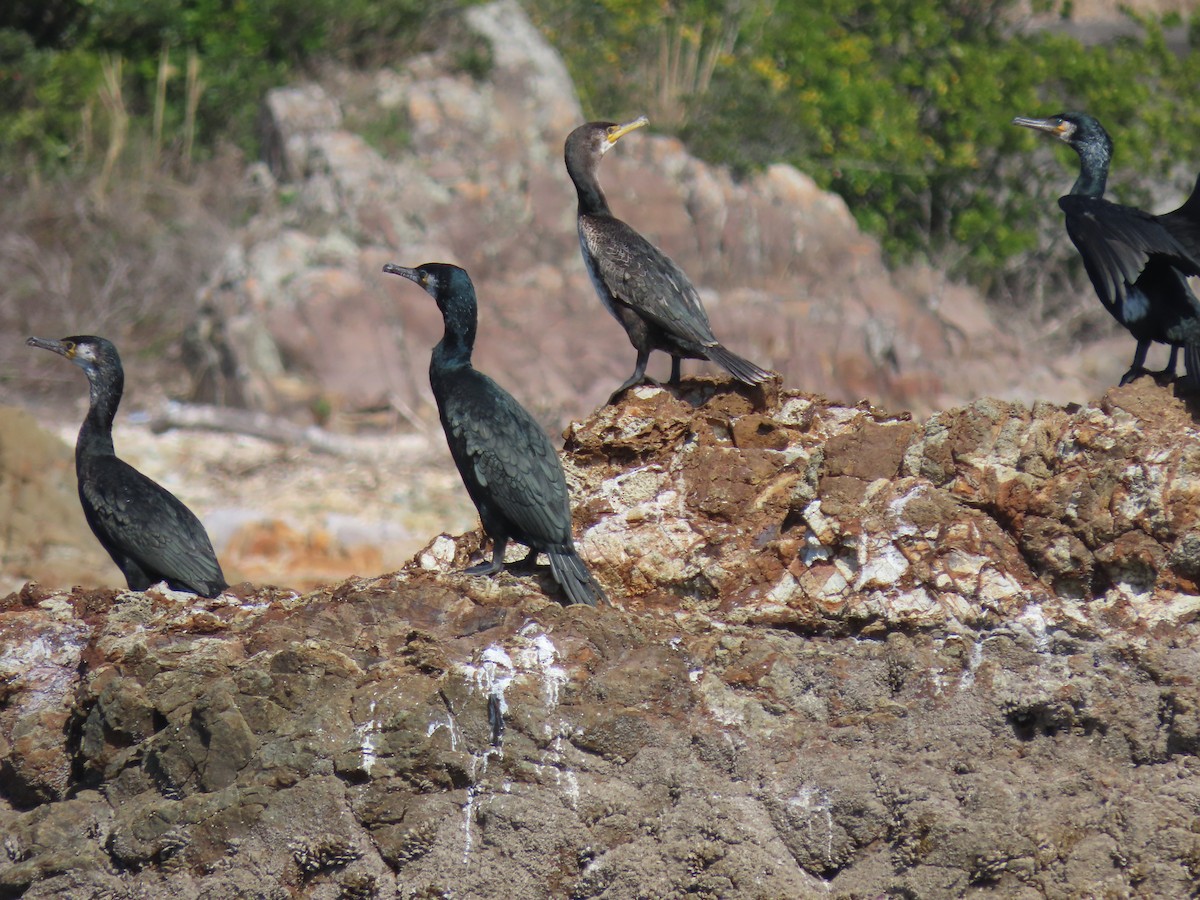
[802, 638]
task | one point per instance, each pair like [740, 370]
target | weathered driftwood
[252, 423]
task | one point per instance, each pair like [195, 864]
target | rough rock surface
[434, 163]
[850, 654]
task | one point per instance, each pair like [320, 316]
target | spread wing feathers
[512, 461]
[144, 521]
[642, 277]
[1184, 223]
[1116, 242]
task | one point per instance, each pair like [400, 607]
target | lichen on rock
[847, 652]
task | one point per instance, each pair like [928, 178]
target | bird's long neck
[1094, 158]
[453, 351]
[592, 201]
[95, 436]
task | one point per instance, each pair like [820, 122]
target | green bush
[51, 56]
[903, 108]
[40, 93]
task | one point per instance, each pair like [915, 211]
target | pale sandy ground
[289, 515]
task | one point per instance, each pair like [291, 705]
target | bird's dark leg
[497, 563]
[675, 373]
[527, 565]
[1167, 374]
[1138, 367]
[638, 376]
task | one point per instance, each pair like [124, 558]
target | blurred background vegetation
[901, 107]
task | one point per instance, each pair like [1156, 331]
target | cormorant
[639, 284]
[1137, 261]
[506, 461]
[147, 531]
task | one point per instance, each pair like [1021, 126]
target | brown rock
[876, 655]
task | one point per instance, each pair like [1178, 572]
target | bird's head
[596, 138]
[449, 285]
[435, 278]
[87, 351]
[1075, 129]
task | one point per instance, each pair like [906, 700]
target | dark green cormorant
[1137, 261]
[639, 284]
[506, 461]
[147, 531]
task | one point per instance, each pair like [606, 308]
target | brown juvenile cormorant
[639, 284]
[1138, 262]
[147, 531]
[506, 461]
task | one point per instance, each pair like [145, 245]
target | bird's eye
[70, 347]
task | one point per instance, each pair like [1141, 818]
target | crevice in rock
[17, 791]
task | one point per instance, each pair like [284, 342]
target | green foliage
[903, 107]
[387, 130]
[473, 56]
[51, 54]
[38, 94]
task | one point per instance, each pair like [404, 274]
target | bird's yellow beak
[616, 132]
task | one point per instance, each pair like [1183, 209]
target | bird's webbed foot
[1160, 376]
[484, 568]
[1134, 373]
[639, 376]
[526, 566]
[1138, 368]
[1166, 374]
[632, 382]
[496, 564]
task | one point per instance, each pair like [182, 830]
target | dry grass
[120, 253]
[120, 249]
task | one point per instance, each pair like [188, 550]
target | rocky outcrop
[849, 653]
[444, 161]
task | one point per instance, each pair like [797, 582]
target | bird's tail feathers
[579, 584]
[1191, 363]
[741, 369]
[211, 588]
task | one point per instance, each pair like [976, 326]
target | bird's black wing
[642, 277]
[1184, 223]
[511, 459]
[1116, 242]
[144, 521]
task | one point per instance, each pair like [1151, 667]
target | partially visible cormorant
[1137, 261]
[506, 461]
[639, 284]
[147, 531]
